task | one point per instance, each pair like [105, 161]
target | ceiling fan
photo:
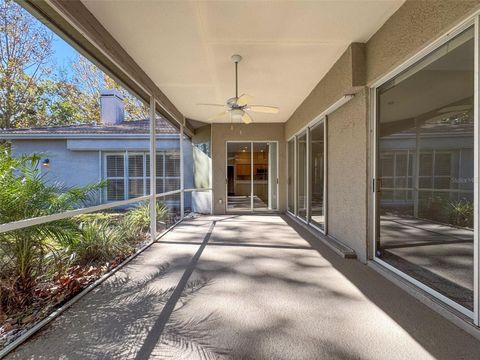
[238, 106]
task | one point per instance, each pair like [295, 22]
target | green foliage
[25, 48]
[461, 213]
[26, 193]
[102, 216]
[99, 240]
[137, 220]
[35, 91]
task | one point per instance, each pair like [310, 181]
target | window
[136, 176]
[172, 171]
[134, 181]
[115, 177]
[159, 171]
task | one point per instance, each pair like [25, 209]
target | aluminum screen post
[153, 170]
[182, 185]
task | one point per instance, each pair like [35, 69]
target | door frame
[252, 209]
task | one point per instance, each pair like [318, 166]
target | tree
[25, 49]
[89, 81]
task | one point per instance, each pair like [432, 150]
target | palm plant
[26, 193]
[137, 220]
[98, 241]
[461, 213]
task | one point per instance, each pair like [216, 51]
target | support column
[182, 185]
[153, 170]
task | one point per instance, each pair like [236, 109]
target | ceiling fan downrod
[236, 59]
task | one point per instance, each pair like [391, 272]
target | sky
[63, 53]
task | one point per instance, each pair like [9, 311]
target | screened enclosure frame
[154, 104]
[472, 21]
[151, 197]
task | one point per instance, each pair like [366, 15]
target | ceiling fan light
[237, 114]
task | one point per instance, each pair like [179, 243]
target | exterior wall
[77, 162]
[347, 174]
[221, 133]
[203, 135]
[67, 167]
[411, 28]
[345, 76]
[415, 24]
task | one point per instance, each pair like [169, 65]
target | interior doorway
[252, 176]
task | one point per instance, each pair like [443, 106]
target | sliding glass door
[251, 176]
[425, 172]
[291, 176]
[307, 175]
[239, 176]
[302, 176]
[317, 175]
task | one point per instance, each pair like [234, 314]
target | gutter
[83, 136]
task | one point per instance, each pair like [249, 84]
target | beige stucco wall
[347, 174]
[202, 135]
[416, 24]
[343, 78]
[221, 133]
[411, 28]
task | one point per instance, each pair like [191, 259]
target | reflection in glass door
[252, 176]
[239, 176]
[291, 176]
[425, 172]
[264, 176]
[317, 175]
[302, 176]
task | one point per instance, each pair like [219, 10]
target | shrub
[26, 193]
[98, 241]
[137, 220]
[461, 213]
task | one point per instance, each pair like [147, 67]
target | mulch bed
[51, 295]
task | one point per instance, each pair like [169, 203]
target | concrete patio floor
[247, 287]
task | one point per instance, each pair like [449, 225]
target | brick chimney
[111, 107]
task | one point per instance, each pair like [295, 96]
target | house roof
[126, 127]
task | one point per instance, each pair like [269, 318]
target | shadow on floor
[254, 288]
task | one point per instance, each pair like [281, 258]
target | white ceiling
[287, 46]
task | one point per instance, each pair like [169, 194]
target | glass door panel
[302, 176]
[425, 165]
[272, 176]
[264, 176]
[239, 176]
[317, 172]
[291, 176]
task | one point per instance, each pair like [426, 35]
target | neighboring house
[114, 150]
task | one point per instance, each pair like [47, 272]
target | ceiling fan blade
[218, 105]
[217, 116]
[246, 118]
[244, 100]
[263, 109]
